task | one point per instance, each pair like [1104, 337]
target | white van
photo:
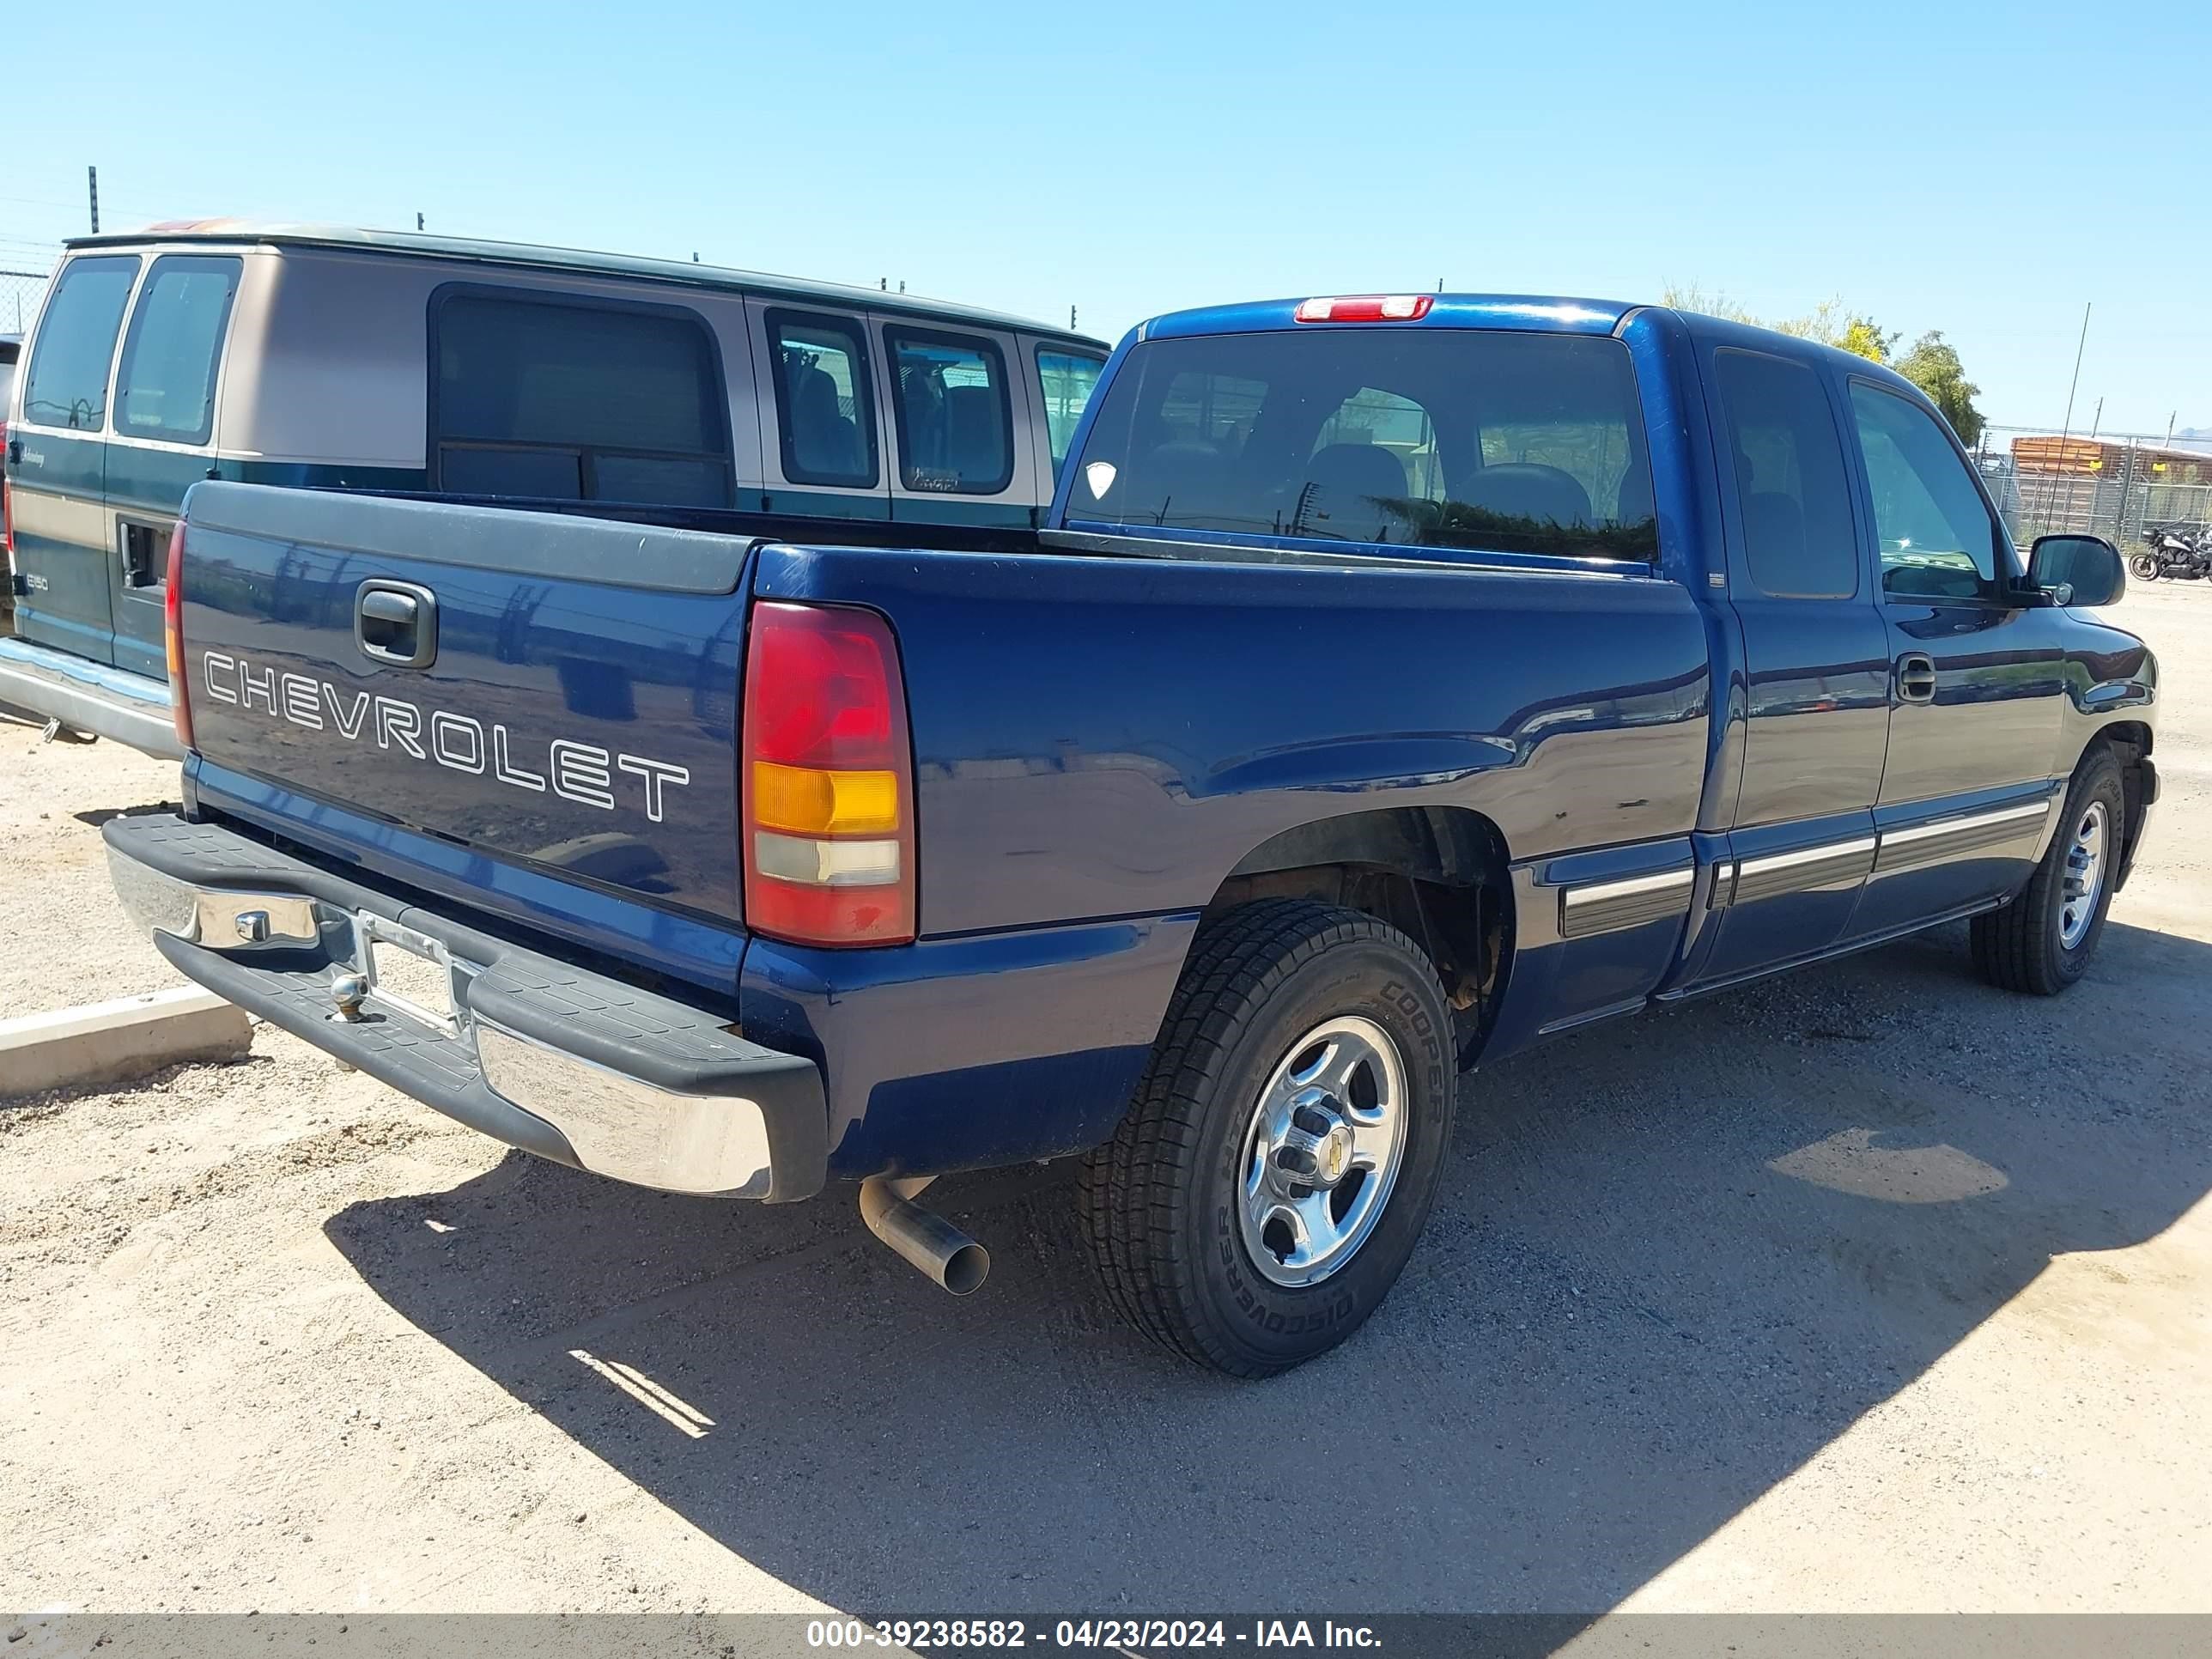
[307, 355]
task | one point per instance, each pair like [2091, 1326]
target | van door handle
[396, 622]
[1916, 678]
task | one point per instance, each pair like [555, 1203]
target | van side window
[167, 387]
[1436, 437]
[1798, 538]
[67, 382]
[1938, 539]
[955, 429]
[1067, 379]
[571, 400]
[825, 414]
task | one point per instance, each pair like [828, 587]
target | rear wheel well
[1437, 873]
[2129, 742]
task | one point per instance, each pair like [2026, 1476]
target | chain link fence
[2116, 485]
[20, 294]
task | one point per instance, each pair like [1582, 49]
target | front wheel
[1283, 1148]
[2042, 942]
[2143, 568]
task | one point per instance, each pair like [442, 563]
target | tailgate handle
[396, 622]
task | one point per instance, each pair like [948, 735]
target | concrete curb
[112, 1042]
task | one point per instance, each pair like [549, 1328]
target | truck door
[1816, 662]
[1977, 686]
[57, 461]
[164, 439]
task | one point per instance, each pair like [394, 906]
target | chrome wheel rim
[2084, 875]
[1322, 1151]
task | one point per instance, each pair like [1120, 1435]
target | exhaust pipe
[925, 1238]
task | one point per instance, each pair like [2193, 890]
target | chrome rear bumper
[573, 1065]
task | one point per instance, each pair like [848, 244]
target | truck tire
[2041, 942]
[1284, 1147]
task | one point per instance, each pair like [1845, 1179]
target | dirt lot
[1871, 1288]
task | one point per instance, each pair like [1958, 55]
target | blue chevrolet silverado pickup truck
[1399, 680]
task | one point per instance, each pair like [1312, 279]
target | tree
[1934, 367]
[1827, 324]
[1862, 339]
[1690, 296]
[1818, 325]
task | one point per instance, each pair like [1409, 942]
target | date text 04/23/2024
[1108, 1634]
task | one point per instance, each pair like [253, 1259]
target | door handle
[396, 622]
[1916, 678]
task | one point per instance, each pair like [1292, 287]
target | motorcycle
[2177, 552]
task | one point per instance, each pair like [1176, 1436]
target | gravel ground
[1868, 1288]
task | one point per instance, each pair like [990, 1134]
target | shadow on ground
[1674, 1258]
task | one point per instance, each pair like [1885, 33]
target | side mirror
[2078, 569]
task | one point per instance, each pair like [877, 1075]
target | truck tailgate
[557, 692]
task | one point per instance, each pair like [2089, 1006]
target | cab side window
[167, 387]
[1788, 457]
[955, 430]
[67, 383]
[1938, 539]
[825, 417]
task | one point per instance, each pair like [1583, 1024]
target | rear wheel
[1283, 1148]
[2042, 942]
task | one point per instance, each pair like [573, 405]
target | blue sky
[1985, 178]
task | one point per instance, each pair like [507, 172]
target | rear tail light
[7, 506]
[1366, 308]
[172, 636]
[827, 779]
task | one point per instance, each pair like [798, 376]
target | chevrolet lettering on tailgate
[580, 772]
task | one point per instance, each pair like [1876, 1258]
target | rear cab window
[559, 397]
[955, 419]
[165, 389]
[825, 411]
[1791, 491]
[1482, 439]
[1067, 380]
[66, 383]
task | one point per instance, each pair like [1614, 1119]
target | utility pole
[92, 187]
[1071, 320]
[2066, 431]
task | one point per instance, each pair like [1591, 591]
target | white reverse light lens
[825, 863]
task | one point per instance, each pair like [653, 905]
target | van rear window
[554, 397]
[66, 384]
[1478, 439]
[167, 388]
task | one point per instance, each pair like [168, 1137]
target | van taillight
[172, 636]
[827, 779]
